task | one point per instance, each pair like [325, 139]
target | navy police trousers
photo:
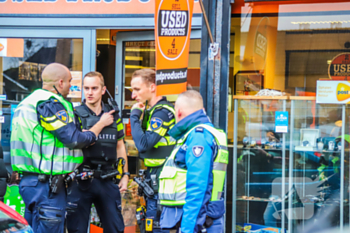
[45, 211]
[106, 197]
[151, 212]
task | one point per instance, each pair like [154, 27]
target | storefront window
[22, 61]
[294, 177]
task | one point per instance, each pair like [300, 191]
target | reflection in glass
[20, 74]
[317, 168]
[289, 46]
[294, 185]
[259, 164]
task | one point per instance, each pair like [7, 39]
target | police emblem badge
[197, 150]
[156, 123]
[63, 116]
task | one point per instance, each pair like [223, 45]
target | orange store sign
[74, 7]
[172, 33]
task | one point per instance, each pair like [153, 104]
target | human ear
[179, 113]
[153, 87]
[60, 83]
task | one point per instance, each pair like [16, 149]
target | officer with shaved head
[192, 180]
[46, 145]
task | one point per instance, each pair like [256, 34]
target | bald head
[187, 103]
[57, 75]
[54, 72]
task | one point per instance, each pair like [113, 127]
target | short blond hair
[147, 75]
[96, 74]
[190, 99]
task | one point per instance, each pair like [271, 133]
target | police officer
[153, 141]
[192, 180]
[100, 158]
[45, 144]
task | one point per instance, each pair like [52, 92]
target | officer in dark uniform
[99, 159]
[152, 141]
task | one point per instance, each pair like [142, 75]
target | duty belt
[90, 173]
[41, 177]
[100, 174]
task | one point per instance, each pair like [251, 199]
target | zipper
[54, 148]
[31, 149]
[41, 151]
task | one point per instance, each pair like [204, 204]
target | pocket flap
[167, 173]
[29, 182]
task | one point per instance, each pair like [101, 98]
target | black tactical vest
[105, 149]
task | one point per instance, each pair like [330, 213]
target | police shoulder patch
[63, 116]
[197, 150]
[156, 123]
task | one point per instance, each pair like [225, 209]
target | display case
[286, 182]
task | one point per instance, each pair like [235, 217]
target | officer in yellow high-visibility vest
[192, 180]
[152, 141]
[46, 145]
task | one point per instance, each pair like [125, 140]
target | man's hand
[123, 183]
[140, 106]
[107, 118]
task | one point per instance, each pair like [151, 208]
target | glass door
[23, 56]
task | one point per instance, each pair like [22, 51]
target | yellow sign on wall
[333, 92]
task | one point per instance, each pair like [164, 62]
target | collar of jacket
[186, 124]
[162, 99]
[103, 108]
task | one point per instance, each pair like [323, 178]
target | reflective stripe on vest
[172, 179]
[34, 149]
[165, 141]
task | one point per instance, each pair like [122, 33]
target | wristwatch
[126, 173]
